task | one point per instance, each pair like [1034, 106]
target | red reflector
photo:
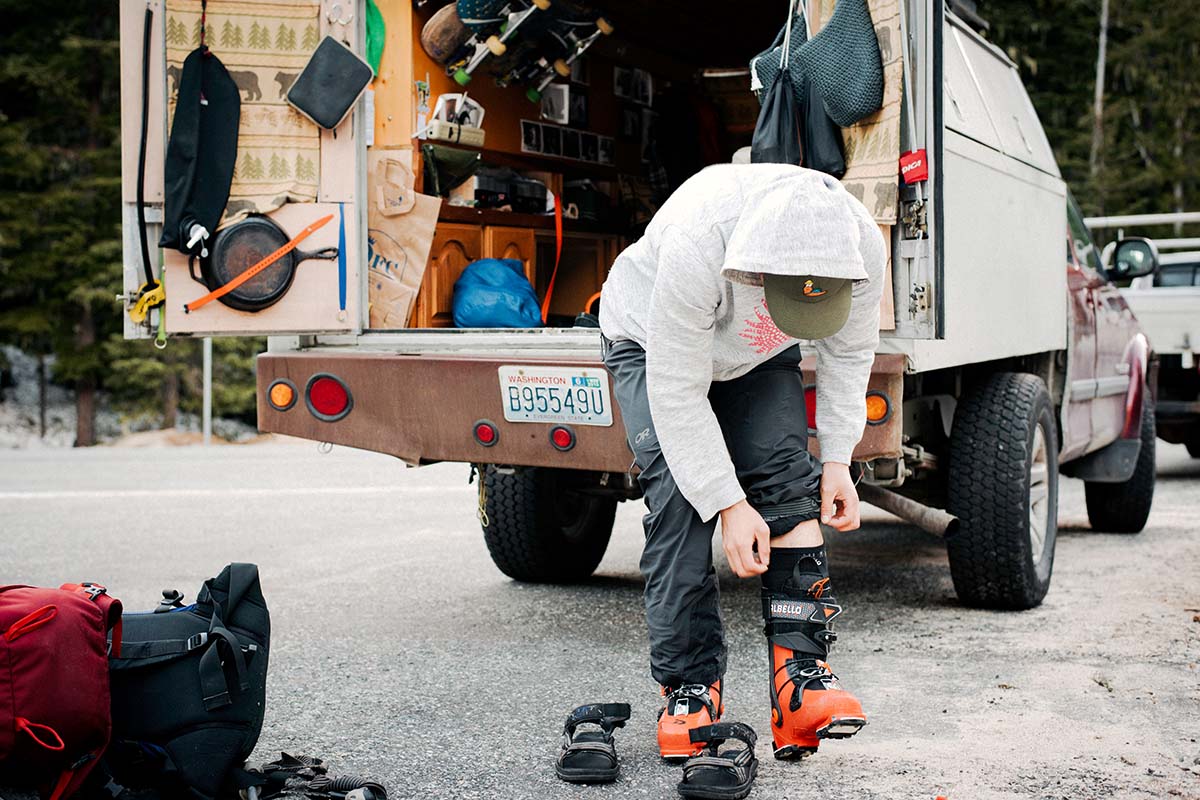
[810, 406]
[485, 433]
[328, 398]
[562, 438]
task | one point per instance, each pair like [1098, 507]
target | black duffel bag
[189, 690]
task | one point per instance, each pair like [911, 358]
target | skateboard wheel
[562, 68]
[462, 77]
[604, 25]
[533, 95]
[497, 47]
[542, 4]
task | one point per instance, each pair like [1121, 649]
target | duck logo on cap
[812, 291]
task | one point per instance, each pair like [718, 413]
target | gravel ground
[401, 652]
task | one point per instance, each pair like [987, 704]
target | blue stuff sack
[494, 293]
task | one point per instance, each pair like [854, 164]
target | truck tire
[538, 529]
[1003, 487]
[1125, 507]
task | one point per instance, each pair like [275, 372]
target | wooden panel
[887, 303]
[518, 243]
[454, 246]
[586, 259]
[394, 83]
[339, 147]
[133, 14]
[310, 305]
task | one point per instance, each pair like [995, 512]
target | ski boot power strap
[688, 707]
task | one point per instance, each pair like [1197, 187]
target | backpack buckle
[92, 590]
[196, 641]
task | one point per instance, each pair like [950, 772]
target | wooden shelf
[515, 219]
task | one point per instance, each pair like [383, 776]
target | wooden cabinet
[586, 259]
[517, 243]
[454, 246]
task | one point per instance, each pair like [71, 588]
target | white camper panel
[1004, 227]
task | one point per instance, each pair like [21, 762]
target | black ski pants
[763, 420]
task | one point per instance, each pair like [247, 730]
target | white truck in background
[1167, 304]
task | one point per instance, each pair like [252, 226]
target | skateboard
[568, 39]
[464, 35]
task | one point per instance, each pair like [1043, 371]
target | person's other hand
[839, 498]
[742, 528]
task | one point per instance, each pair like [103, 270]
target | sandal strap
[607, 715]
[739, 765]
[717, 733]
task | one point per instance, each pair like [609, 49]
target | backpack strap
[108, 605]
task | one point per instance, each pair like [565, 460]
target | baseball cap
[808, 306]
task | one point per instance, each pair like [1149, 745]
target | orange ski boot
[808, 703]
[690, 706]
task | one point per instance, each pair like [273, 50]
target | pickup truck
[1167, 304]
[1008, 356]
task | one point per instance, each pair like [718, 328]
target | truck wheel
[1125, 507]
[1003, 487]
[538, 529]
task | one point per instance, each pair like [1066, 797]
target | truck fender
[1137, 356]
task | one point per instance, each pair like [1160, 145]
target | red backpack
[55, 715]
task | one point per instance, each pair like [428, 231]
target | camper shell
[1005, 351]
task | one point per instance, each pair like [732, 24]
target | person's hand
[839, 498]
[742, 528]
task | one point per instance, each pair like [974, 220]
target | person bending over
[701, 319]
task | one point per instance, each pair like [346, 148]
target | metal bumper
[422, 408]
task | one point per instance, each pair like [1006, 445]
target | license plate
[569, 395]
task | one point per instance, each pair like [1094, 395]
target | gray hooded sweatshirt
[690, 293]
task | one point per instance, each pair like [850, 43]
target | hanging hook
[334, 15]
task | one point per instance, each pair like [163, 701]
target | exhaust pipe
[927, 518]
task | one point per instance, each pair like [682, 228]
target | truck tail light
[281, 394]
[879, 408]
[562, 438]
[486, 433]
[328, 397]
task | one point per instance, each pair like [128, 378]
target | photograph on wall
[589, 147]
[551, 140]
[633, 84]
[607, 153]
[647, 134]
[631, 123]
[531, 136]
[580, 72]
[556, 103]
[578, 114]
[570, 144]
[623, 83]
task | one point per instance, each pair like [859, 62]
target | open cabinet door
[287, 168]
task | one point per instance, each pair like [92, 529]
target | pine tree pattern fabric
[264, 46]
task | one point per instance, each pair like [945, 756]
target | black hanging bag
[777, 133]
[201, 153]
[189, 689]
[820, 136]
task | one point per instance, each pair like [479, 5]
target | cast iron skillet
[242, 245]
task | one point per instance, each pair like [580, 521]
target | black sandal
[591, 756]
[721, 776]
